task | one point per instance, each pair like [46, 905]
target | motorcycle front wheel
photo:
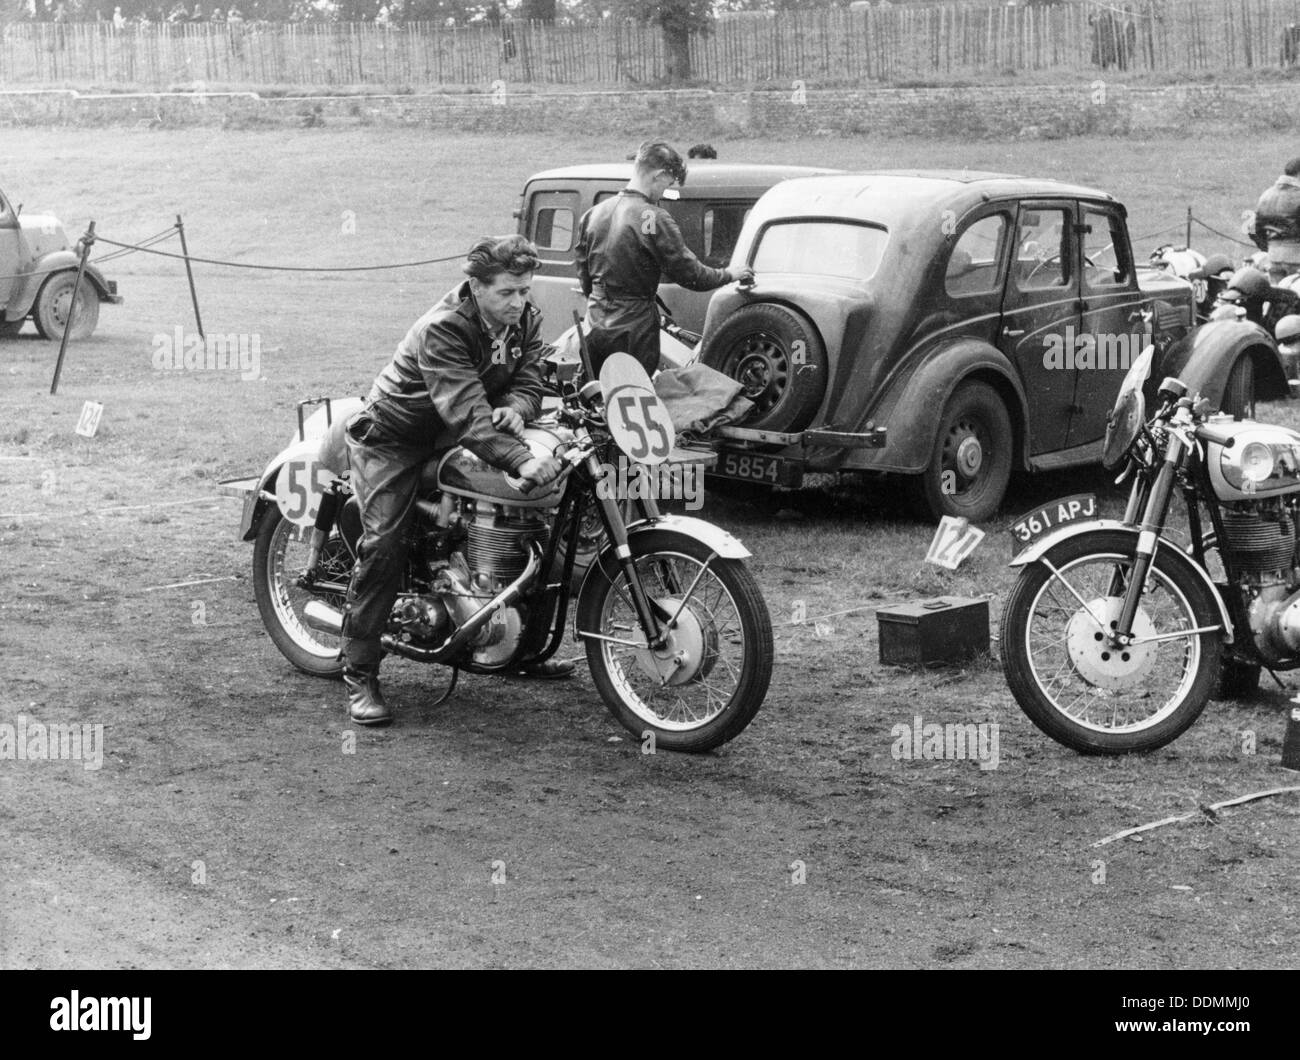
[279, 558]
[708, 681]
[1082, 691]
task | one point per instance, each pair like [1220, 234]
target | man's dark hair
[493, 255]
[655, 154]
[702, 151]
[1292, 168]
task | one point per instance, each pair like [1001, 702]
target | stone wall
[1032, 112]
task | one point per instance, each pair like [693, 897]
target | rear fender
[1038, 549]
[1204, 359]
[911, 404]
[258, 500]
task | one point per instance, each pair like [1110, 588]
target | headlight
[1256, 462]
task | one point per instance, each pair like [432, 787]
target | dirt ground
[239, 821]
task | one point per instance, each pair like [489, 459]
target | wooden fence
[889, 45]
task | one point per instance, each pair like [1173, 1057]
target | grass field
[219, 752]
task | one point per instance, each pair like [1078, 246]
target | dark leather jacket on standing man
[626, 246]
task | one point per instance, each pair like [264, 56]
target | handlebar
[1206, 434]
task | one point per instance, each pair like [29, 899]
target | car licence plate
[1037, 524]
[755, 467]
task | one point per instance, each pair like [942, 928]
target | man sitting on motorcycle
[467, 373]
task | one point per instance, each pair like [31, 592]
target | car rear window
[553, 219]
[821, 248]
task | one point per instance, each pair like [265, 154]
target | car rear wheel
[54, 304]
[970, 465]
[779, 360]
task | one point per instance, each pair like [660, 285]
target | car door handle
[1012, 333]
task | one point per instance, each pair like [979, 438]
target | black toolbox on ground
[939, 632]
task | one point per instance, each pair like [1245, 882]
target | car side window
[553, 219]
[1103, 241]
[1042, 249]
[722, 224]
[973, 264]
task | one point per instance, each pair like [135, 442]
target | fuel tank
[463, 474]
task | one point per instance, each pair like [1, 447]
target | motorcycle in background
[1114, 638]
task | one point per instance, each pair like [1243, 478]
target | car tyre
[54, 302]
[779, 360]
[970, 464]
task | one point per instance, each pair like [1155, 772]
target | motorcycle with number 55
[678, 638]
[1114, 637]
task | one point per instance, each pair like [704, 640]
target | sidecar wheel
[278, 558]
[1083, 692]
[708, 682]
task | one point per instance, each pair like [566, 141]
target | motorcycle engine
[471, 552]
[1261, 537]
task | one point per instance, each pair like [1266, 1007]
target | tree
[678, 19]
[538, 10]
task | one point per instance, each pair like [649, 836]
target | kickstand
[1284, 687]
[455, 673]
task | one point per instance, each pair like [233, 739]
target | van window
[553, 220]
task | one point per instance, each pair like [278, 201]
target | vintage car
[948, 328]
[710, 210]
[38, 271]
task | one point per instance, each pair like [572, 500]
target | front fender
[1204, 358]
[911, 403]
[28, 286]
[1039, 549]
[709, 535]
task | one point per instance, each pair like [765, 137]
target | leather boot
[366, 704]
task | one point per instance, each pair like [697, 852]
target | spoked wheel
[279, 558]
[1082, 689]
[707, 682]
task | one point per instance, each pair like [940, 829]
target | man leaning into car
[626, 244]
[467, 373]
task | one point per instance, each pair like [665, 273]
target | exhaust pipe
[319, 616]
[452, 646]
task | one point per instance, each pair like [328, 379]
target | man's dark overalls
[626, 244]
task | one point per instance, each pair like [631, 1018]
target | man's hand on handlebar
[537, 472]
[743, 276]
[508, 420]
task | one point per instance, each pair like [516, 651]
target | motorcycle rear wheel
[278, 558]
[1072, 685]
[723, 639]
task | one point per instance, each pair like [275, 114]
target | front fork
[1153, 520]
[616, 527]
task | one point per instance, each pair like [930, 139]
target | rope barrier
[282, 268]
[1224, 235]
